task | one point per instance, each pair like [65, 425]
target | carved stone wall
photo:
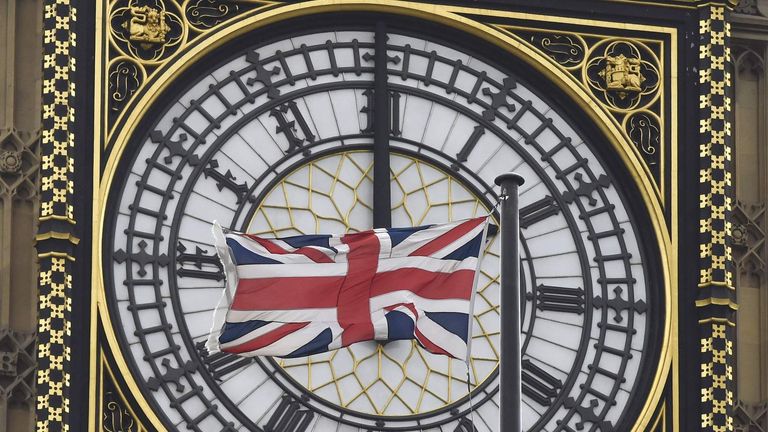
[753, 7]
[750, 217]
[20, 88]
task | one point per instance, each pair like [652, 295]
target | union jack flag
[303, 295]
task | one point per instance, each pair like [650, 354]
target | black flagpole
[509, 367]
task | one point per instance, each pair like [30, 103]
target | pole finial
[517, 178]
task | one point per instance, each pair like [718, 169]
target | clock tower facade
[285, 118]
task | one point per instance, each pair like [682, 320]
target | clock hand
[382, 199]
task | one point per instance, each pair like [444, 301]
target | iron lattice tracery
[303, 203]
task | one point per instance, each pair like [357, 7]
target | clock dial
[332, 194]
[278, 140]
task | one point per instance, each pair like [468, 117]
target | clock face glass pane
[277, 140]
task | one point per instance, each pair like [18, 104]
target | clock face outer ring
[111, 169]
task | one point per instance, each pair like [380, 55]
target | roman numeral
[289, 417]
[227, 180]
[538, 211]
[198, 259]
[560, 299]
[288, 127]
[394, 118]
[221, 363]
[469, 146]
[538, 384]
[368, 110]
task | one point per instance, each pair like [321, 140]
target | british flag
[303, 295]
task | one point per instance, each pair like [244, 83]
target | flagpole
[509, 363]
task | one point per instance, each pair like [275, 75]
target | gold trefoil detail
[147, 25]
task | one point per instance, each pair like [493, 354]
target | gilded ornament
[567, 50]
[622, 75]
[206, 14]
[124, 79]
[147, 24]
[717, 298]
[643, 128]
[147, 30]
[116, 418]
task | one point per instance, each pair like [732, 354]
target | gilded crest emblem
[147, 30]
[147, 24]
[622, 74]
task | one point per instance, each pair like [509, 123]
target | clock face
[278, 140]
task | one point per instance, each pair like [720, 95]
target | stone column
[750, 51]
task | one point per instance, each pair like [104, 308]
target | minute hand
[382, 217]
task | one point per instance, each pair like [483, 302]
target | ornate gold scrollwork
[623, 75]
[644, 129]
[124, 78]
[206, 14]
[116, 418]
[147, 30]
[568, 50]
[143, 34]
